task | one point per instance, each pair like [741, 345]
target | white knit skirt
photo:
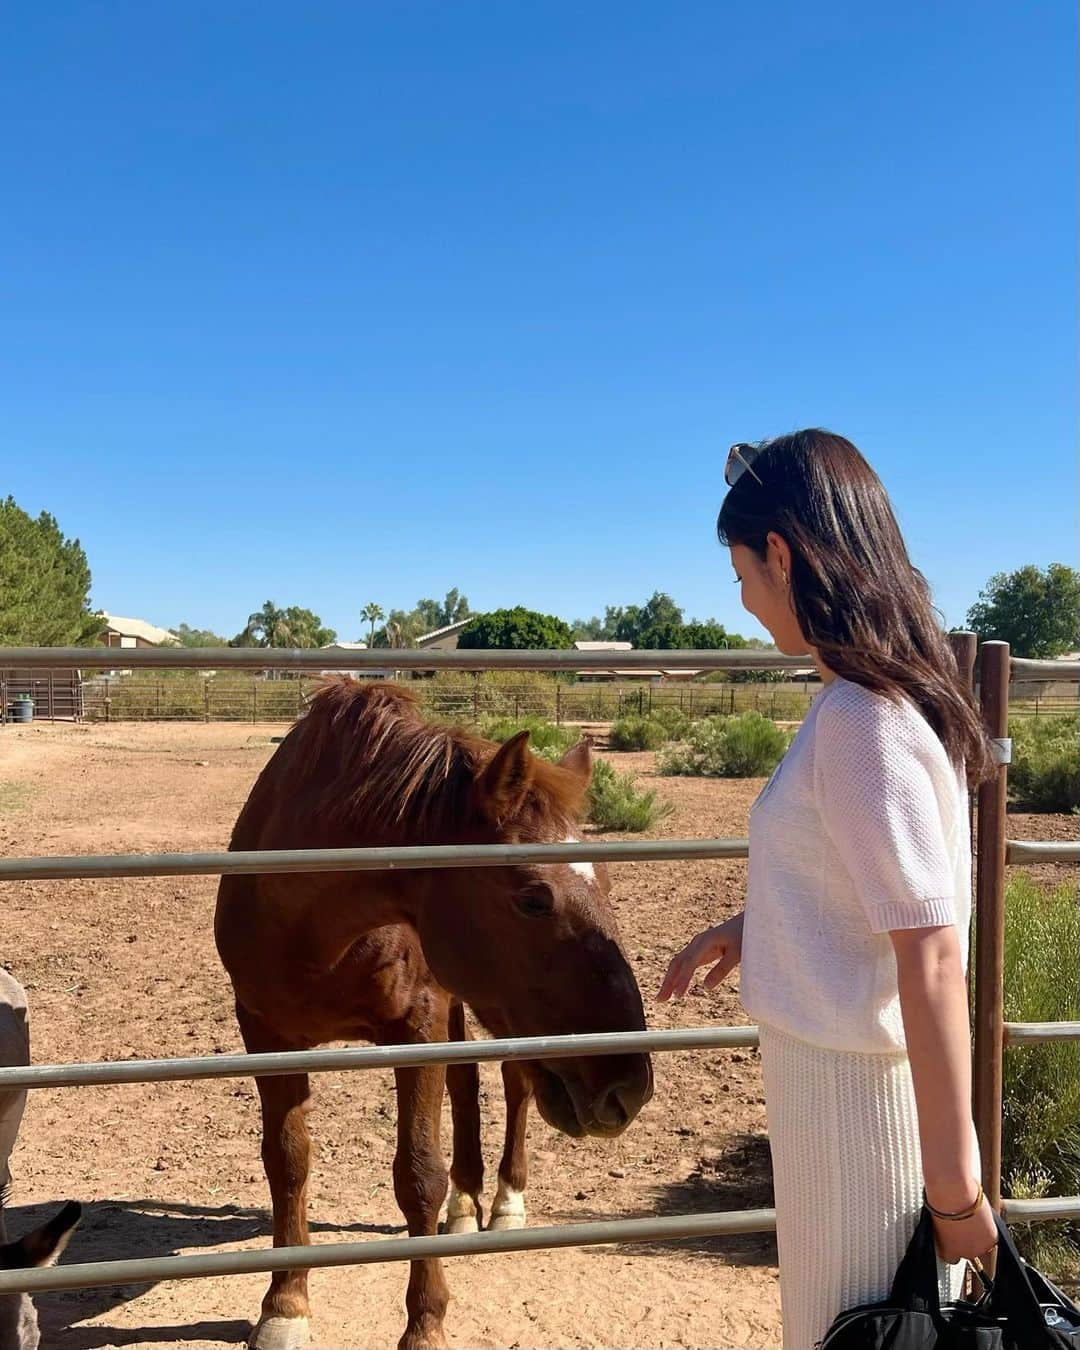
[844, 1135]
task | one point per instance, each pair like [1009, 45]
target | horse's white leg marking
[583, 869]
[508, 1211]
[461, 1213]
[280, 1333]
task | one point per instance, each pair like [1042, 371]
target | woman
[853, 942]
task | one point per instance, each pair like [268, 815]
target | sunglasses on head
[740, 460]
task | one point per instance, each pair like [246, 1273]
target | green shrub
[674, 721]
[637, 733]
[1045, 769]
[615, 803]
[745, 746]
[545, 738]
[1041, 1118]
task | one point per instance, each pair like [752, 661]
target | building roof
[437, 633]
[345, 646]
[603, 646]
[139, 628]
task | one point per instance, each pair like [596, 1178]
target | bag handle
[915, 1286]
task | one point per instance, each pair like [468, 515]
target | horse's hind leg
[508, 1210]
[464, 1208]
[420, 1187]
[286, 1154]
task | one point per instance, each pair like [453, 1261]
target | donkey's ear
[506, 779]
[578, 759]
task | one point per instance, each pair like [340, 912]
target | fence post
[52, 695]
[206, 698]
[558, 703]
[299, 694]
[108, 700]
[990, 925]
[254, 700]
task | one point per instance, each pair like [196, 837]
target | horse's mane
[378, 763]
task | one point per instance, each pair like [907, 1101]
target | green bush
[615, 803]
[637, 733]
[545, 738]
[1041, 1119]
[1045, 769]
[745, 746]
[674, 721]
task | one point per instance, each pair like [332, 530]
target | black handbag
[1020, 1310]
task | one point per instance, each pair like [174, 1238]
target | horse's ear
[506, 779]
[578, 759]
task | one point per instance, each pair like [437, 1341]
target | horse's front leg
[420, 1187]
[464, 1209]
[286, 1153]
[508, 1210]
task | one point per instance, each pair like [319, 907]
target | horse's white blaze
[583, 869]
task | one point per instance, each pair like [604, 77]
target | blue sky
[341, 302]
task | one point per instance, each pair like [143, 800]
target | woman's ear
[778, 557]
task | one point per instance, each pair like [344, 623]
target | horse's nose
[617, 1105]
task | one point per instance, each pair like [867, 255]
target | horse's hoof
[429, 1338]
[280, 1333]
[464, 1223]
[505, 1223]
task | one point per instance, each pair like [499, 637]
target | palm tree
[372, 614]
[269, 627]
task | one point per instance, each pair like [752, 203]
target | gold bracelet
[960, 1215]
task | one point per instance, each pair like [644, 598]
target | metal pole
[990, 925]
[276, 1063]
[965, 647]
[410, 856]
[151, 1270]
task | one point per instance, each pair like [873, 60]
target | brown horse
[382, 956]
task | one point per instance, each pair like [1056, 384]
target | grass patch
[745, 746]
[615, 803]
[1045, 770]
[13, 796]
[1041, 1138]
[545, 738]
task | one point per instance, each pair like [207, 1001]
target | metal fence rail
[412, 857]
[130, 1071]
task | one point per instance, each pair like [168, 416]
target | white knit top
[862, 829]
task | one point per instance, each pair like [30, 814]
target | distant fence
[229, 698]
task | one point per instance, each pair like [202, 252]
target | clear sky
[340, 302]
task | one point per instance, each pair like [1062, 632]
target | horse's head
[42, 1247]
[535, 950]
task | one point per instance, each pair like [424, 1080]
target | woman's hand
[960, 1239]
[722, 945]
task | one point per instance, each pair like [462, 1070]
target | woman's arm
[933, 1001]
[722, 945]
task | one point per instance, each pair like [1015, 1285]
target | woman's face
[766, 593]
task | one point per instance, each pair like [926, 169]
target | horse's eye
[536, 903]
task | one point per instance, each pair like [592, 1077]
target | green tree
[44, 583]
[518, 628]
[403, 628]
[197, 637]
[1037, 612]
[372, 613]
[291, 627]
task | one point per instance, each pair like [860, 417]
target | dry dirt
[125, 968]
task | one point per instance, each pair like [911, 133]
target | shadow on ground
[116, 1231]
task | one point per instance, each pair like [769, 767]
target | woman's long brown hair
[858, 599]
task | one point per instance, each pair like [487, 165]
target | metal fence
[994, 851]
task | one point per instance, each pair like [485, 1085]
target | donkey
[381, 956]
[42, 1247]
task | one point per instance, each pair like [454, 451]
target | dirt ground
[127, 968]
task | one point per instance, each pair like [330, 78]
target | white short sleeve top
[863, 829]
